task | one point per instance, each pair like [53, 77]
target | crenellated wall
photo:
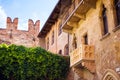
[10, 24]
[11, 35]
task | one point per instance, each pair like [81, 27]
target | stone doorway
[111, 75]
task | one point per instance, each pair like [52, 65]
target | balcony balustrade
[81, 55]
[75, 13]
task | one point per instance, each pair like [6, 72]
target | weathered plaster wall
[107, 47]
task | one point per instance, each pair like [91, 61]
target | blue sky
[26, 9]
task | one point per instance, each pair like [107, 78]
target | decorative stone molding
[83, 57]
[110, 75]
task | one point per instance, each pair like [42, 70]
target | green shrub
[22, 63]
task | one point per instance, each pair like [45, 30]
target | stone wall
[11, 35]
[107, 47]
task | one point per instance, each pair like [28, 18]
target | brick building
[11, 35]
[92, 34]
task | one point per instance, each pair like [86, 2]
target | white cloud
[3, 17]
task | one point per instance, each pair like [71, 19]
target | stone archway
[110, 75]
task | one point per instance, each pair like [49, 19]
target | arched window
[60, 52]
[66, 50]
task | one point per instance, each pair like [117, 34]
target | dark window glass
[117, 6]
[105, 22]
[47, 43]
[52, 37]
[86, 39]
[60, 51]
[66, 50]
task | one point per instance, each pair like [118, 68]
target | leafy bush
[22, 63]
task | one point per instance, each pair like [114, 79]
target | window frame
[117, 8]
[85, 39]
[66, 49]
[47, 43]
[60, 29]
[105, 21]
[117, 15]
[53, 36]
[105, 25]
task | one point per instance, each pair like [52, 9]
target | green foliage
[22, 63]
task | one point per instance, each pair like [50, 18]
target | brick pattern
[11, 35]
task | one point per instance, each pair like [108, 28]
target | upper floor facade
[92, 29]
[95, 43]
[52, 37]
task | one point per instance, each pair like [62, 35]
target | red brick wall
[11, 35]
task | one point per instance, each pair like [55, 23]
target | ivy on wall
[22, 63]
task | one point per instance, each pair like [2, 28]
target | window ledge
[116, 28]
[104, 36]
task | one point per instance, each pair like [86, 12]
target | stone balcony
[76, 12]
[84, 57]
